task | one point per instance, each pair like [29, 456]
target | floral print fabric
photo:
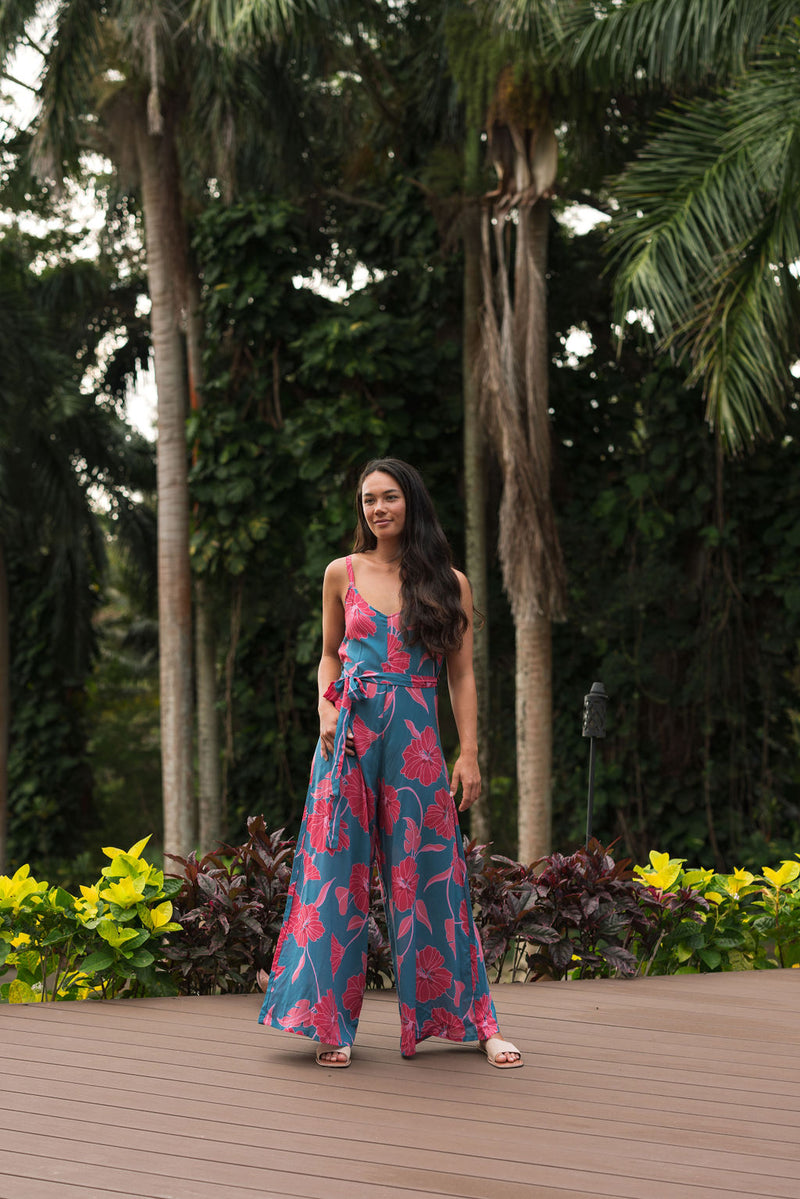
[389, 802]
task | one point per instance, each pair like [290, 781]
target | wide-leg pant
[395, 807]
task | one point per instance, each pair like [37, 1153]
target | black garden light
[594, 726]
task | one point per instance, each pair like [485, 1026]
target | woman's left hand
[467, 774]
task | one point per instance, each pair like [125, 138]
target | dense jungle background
[325, 176]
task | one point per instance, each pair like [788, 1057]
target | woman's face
[384, 505]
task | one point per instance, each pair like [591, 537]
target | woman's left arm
[464, 699]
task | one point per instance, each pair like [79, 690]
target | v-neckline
[377, 611]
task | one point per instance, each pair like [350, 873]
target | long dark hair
[431, 609]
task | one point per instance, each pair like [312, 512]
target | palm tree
[150, 86]
[707, 237]
[645, 46]
[511, 88]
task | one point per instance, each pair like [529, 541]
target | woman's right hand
[328, 719]
[328, 716]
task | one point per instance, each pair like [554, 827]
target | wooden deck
[664, 1087]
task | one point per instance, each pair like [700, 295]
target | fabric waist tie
[351, 686]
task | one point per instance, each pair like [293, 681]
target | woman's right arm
[333, 588]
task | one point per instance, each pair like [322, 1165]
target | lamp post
[594, 726]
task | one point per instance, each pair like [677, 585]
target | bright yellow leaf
[788, 872]
[14, 890]
[698, 877]
[135, 851]
[713, 896]
[125, 893]
[664, 873]
[734, 883]
[156, 918]
[20, 992]
[114, 934]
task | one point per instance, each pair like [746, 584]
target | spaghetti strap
[350, 574]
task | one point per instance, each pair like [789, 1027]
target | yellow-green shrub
[752, 920]
[105, 942]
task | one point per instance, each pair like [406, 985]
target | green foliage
[587, 916]
[301, 392]
[50, 791]
[106, 943]
[60, 445]
[751, 922]
[214, 928]
[683, 574]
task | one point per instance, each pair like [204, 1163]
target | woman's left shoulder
[463, 584]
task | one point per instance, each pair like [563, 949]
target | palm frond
[246, 21]
[707, 241]
[73, 63]
[544, 25]
[678, 43]
[677, 221]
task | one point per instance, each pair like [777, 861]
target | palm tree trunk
[208, 742]
[534, 686]
[514, 351]
[534, 713]
[205, 647]
[5, 709]
[161, 206]
[475, 503]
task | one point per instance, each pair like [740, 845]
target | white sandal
[495, 1046]
[343, 1049]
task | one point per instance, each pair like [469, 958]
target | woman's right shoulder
[336, 574]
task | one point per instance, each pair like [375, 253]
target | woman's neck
[386, 556]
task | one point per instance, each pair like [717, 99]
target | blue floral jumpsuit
[391, 801]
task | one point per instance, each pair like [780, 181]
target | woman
[391, 612]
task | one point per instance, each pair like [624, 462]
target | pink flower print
[359, 886]
[459, 866]
[433, 978]
[360, 624]
[326, 1020]
[362, 736]
[305, 924]
[422, 759]
[398, 659]
[355, 793]
[310, 872]
[404, 885]
[443, 1023]
[353, 996]
[412, 839]
[299, 1016]
[463, 915]
[337, 953]
[483, 1019]
[388, 809]
[344, 840]
[317, 824]
[408, 1030]
[323, 789]
[439, 814]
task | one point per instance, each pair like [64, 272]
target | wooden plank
[643, 1085]
[234, 1114]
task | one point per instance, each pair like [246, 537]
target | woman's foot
[333, 1056]
[500, 1053]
